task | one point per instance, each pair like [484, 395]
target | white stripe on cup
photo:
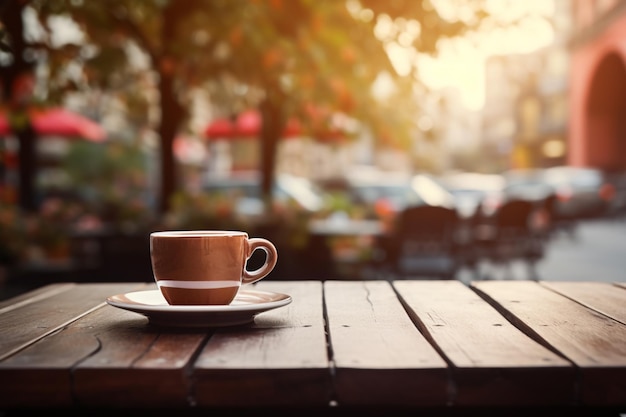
[199, 285]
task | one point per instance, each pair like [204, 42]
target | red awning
[220, 128]
[245, 125]
[59, 121]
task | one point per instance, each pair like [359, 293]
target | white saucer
[246, 305]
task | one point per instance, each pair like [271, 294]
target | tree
[329, 54]
[293, 54]
[170, 35]
[20, 53]
[158, 28]
[17, 86]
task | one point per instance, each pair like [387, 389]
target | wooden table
[376, 347]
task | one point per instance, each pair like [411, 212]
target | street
[596, 251]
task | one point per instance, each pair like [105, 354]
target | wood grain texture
[410, 347]
[595, 343]
[34, 295]
[604, 297]
[135, 364]
[379, 355]
[49, 349]
[493, 362]
[29, 322]
[279, 360]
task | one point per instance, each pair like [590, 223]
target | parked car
[245, 189]
[580, 191]
[470, 189]
[527, 185]
[385, 193]
[379, 193]
[520, 184]
[431, 192]
[618, 203]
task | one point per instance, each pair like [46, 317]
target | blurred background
[315, 124]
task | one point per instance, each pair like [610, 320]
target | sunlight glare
[401, 57]
[461, 62]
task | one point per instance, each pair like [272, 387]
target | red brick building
[597, 122]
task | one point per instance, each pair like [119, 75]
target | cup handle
[271, 258]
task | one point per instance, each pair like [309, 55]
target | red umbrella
[245, 125]
[188, 150]
[220, 128]
[58, 121]
[248, 123]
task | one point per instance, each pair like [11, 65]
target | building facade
[597, 122]
[525, 118]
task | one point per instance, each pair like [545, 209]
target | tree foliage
[289, 57]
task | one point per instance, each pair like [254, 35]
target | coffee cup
[206, 267]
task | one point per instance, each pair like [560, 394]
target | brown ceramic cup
[206, 267]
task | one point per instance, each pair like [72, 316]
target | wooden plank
[593, 342]
[279, 360]
[109, 357]
[34, 295]
[604, 297]
[493, 363]
[379, 355]
[136, 364]
[22, 326]
[39, 374]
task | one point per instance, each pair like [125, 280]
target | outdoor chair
[515, 237]
[423, 243]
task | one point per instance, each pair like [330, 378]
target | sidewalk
[596, 251]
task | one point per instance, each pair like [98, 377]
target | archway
[606, 115]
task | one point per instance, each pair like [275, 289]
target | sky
[461, 62]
